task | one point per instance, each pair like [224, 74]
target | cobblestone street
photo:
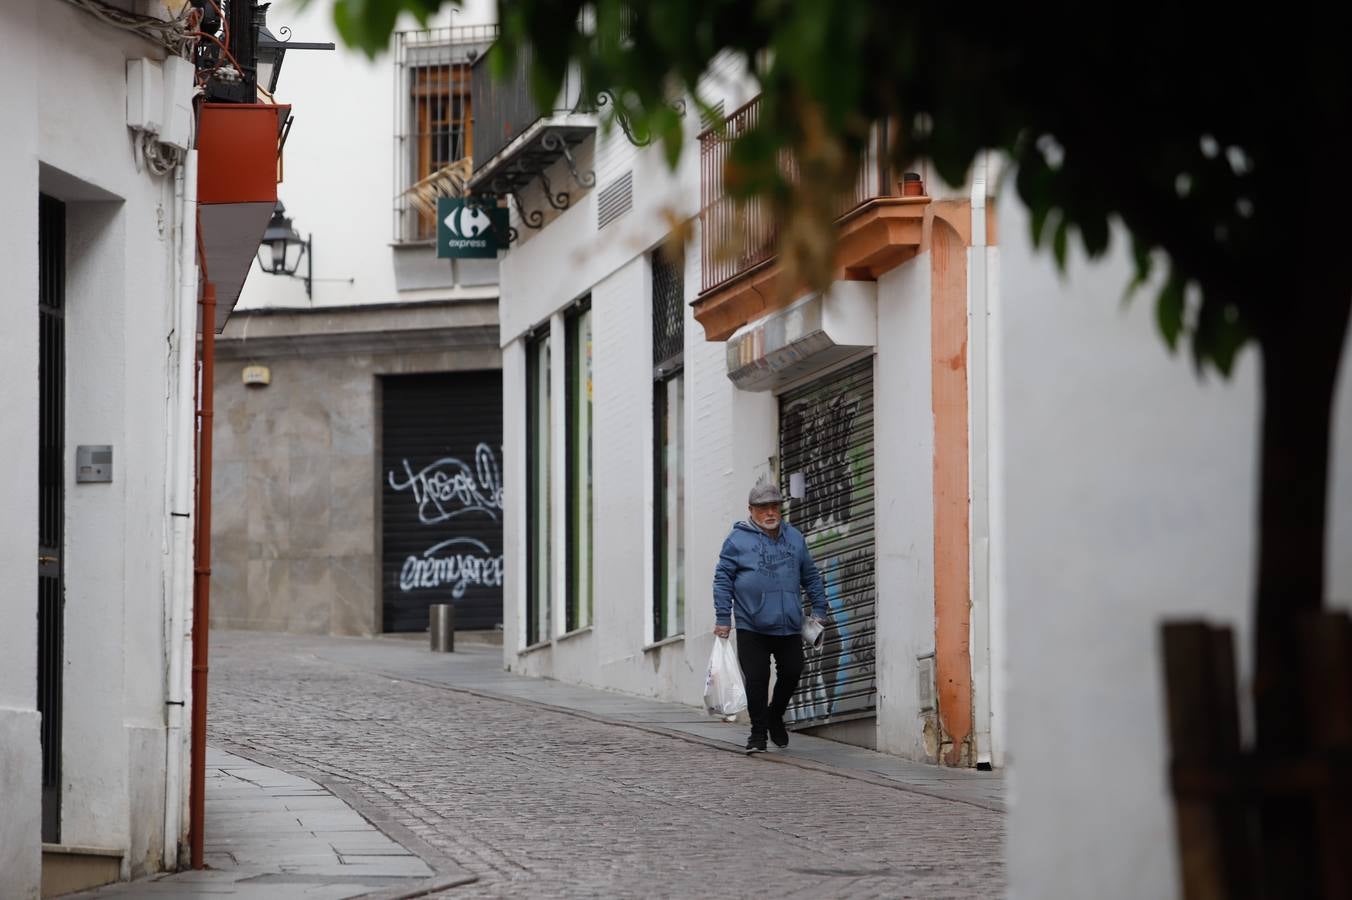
[543, 803]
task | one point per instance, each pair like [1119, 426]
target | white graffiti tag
[459, 570]
[449, 487]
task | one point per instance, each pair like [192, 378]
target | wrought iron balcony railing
[505, 111]
[739, 235]
[516, 140]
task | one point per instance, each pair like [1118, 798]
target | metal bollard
[441, 625]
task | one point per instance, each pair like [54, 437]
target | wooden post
[1326, 643]
[1214, 827]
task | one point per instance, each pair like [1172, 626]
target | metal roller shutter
[441, 498]
[826, 433]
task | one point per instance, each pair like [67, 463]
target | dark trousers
[753, 652]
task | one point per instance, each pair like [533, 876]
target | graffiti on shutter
[441, 498]
[826, 434]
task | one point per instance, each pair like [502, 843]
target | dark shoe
[779, 734]
[755, 744]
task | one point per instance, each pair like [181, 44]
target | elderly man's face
[766, 515]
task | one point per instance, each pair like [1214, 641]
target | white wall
[903, 443]
[339, 160]
[1129, 497]
[95, 575]
[120, 286]
[622, 403]
[20, 759]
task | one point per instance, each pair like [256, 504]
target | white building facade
[647, 387]
[92, 750]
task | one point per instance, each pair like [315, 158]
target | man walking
[762, 570]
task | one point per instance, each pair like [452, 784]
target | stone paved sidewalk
[271, 835]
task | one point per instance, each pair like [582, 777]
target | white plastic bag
[814, 633]
[724, 692]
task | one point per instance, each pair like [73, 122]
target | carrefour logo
[466, 231]
[468, 222]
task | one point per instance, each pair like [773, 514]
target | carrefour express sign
[469, 232]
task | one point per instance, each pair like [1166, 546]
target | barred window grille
[668, 293]
[434, 121]
[668, 313]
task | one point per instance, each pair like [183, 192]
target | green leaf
[1060, 242]
[369, 24]
[501, 59]
[1094, 232]
[1169, 310]
[1230, 339]
[1141, 255]
[1038, 223]
[1219, 336]
[668, 128]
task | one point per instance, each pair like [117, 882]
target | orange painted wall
[952, 592]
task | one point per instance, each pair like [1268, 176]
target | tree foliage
[1205, 146]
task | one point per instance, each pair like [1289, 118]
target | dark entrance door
[441, 498]
[51, 498]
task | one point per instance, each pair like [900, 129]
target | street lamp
[281, 250]
[270, 54]
[272, 50]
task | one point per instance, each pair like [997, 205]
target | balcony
[877, 230]
[516, 141]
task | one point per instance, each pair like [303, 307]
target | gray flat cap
[764, 492]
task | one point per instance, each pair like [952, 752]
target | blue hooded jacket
[761, 578]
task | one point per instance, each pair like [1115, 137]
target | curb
[440, 863]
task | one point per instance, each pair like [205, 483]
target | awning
[817, 331]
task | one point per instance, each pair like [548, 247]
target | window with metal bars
[668, 312]
[668, 317]
[434, 120]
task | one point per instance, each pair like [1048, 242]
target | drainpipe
[180, 497]
[995, 465]
[201, 606]
[979, 404]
